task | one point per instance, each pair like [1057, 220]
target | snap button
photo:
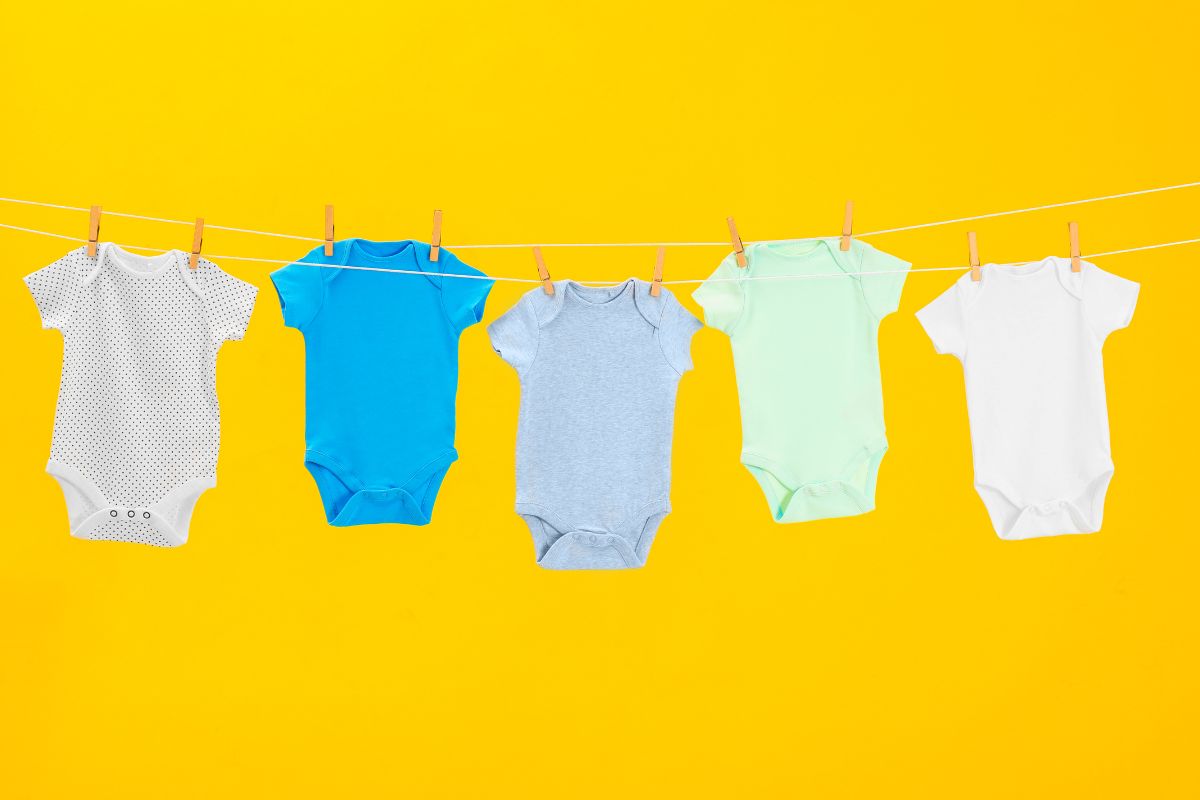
[112, 513]
[131, 513]
[145, 515]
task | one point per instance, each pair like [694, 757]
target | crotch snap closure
[121, 512]
[591, 537]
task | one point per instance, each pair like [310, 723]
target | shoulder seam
[537, 327]
[77, 290]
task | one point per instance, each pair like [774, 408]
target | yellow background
[905, 653]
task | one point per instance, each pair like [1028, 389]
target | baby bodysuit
[807, 361]
[137, 428]
[1030, 340]
[599, 368]
[381, 365]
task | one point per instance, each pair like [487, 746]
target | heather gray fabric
[599, 369]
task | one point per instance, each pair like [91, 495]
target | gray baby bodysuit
[599, 368]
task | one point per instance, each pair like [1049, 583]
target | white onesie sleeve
[1108, 300]
[228, 302]
[943, 321]
[55, 287]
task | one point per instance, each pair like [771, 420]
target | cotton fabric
[805, 350]
[1030, 339]
[599, 369]
[137, 425]
[381, 366]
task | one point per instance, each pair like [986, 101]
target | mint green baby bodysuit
[807, 361]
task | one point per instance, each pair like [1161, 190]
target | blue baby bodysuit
[599, 369]
[381, 362]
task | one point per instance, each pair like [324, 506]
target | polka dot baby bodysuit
[137, 427]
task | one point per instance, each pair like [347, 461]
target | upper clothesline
[859, 235]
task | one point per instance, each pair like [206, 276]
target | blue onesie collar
[546, 307]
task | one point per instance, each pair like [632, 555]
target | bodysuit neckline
[398, 254]
[614, 295]
[117, 257]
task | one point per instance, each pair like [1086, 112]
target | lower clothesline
[676, 282]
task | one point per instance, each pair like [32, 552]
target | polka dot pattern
[130, 531]
[137, 408]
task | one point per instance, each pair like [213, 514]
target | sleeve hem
[893, 301]
[1098, 329]
[290, 317]
[239, 333]
[473, 313]
[505, 348]
[1127, 317]
[46, 325]
[685, 349]
[938, 345]
[717, 319]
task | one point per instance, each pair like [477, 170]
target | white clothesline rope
[158, 219]
[683, 281]
[860, 235]
[1140, 248]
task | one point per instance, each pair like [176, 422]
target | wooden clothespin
[435, 241]
[197, 243]
[328, 230]
[543, 273]
[847, 226]
[93, 231]
[737, 243]
[656, 284]
[1073, 229]
[976, 273]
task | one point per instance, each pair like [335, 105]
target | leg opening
[334, 491]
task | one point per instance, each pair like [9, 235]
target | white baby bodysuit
[137, 427]
[1030, 340]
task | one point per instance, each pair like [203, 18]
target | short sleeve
[943, 322]
[463, 298]
[514, 335]
[55, 288]
[882, 279]
[722, 296]
[675, 332]
[1108, 300]
[228, 303]
[300, 288]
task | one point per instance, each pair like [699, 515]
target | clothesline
[620, 244]
[682, 281]
[900, 229]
